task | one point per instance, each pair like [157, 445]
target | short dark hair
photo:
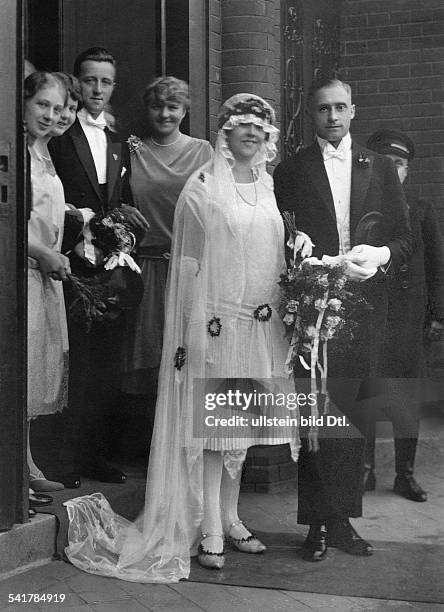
[93, 54]
[39, 80]
[326, 81]
[71, 83]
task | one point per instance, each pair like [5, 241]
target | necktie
[100, 124]
[331, 153]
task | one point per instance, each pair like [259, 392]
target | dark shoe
[71, 480]
[102, 471]
[341, 535]
[39, 499]
[406, 486]
[315, 545]
[369, 479]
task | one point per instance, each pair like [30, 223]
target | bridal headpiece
[249, 108]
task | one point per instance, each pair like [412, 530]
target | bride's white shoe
[208, 559]
[248, 543]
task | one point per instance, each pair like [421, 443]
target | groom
[330, 186]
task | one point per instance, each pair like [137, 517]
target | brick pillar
[250, 64]
[247, 48]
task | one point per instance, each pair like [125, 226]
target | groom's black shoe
[407, 486]
[342, 535]
[315, 545]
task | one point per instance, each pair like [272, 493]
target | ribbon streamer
[122, 259]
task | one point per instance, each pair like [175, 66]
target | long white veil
[207, 280]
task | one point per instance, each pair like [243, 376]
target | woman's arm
[51, 262]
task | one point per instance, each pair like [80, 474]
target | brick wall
[391, 53]
[244, 52]
[276, 75]
[215, 64]
[247, 56]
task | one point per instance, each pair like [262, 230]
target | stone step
[27, 545]
[36, 541]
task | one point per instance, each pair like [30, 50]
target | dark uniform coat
[416, 293]
[415, 296]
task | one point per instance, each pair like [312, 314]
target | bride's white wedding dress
[227, 257]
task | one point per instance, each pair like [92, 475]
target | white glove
[87, 214]
[332, 261]
[303, 244]
[369, 256]
[356, 272]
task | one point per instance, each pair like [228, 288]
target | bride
[221, 323]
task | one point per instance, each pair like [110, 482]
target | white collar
[344, 146]
[85, 117]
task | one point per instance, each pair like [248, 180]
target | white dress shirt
[338, 165]
[95, 134]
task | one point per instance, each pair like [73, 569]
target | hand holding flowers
[99, 294]
[320, 303]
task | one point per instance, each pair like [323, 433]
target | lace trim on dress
[61, 401]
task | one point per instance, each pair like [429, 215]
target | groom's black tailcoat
[74, 165]
[94, 356]
[330, 479]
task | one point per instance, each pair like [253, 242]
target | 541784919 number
[36, 597]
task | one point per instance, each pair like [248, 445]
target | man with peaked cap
[415, 296]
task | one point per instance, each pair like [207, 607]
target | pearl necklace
[158, 144]
[242, 197]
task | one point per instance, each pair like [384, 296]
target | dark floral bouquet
[108, 286]
[113, 236]
[319, 305]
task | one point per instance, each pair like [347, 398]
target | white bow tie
[332, 153]
[100, 123]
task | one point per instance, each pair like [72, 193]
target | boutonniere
[115, 156]
[363, 160]
[134, 143]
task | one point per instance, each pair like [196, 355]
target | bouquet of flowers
[319, 305]
[105, 288]
[113, 236]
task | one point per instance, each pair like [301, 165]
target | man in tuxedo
[332, 186]
[92, 163]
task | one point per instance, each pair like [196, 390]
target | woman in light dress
[50, 108]
[221, 322]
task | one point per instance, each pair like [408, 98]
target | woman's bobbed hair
[71, 83]
[167, 88]
[39, 80]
